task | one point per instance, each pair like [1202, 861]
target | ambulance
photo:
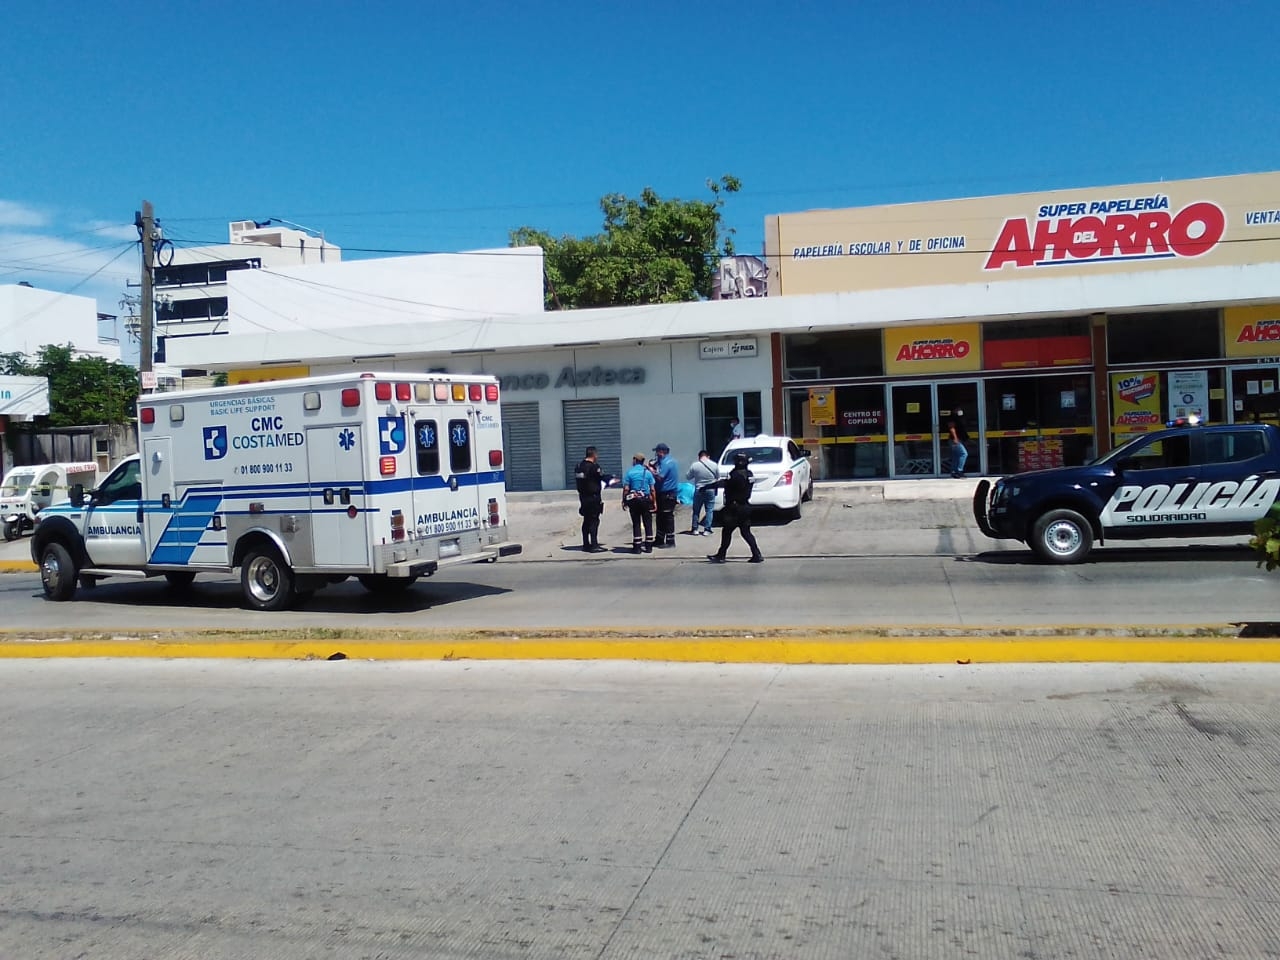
[298, 484]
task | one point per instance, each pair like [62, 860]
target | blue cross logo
[215, 443]
[390, 435]
[458, 435]
[346, 439]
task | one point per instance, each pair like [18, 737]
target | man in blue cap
[667, 479]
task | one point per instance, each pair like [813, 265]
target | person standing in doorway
[959, 437]
[667, 474]
[702, 475]
[590, 482]
[737, 510]
[735, 429]
[638, 500]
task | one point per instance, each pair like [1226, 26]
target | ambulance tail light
[382, 391]
[786, 479]
[491, 392]
[397, 525]
[495, 458]
[387, 466]
[476, 392]
[404, 391]
[350, 397]
[460, 392]
[494, 519]
[147, 414]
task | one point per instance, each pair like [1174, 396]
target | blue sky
[421, 126]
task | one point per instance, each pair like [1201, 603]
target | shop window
[828, 356]
[856, 445]
[1034, 423]
[1164, 337]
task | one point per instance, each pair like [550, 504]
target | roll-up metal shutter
[592, 423]
[522, 446]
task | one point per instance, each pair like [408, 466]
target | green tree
[82, 390]
[652, 250]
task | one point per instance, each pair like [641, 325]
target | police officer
[590, 481]
[737, 509]
[666, 473]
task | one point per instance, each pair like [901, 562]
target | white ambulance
[298, 483]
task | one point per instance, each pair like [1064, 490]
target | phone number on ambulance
[253, 469]
[451, 526]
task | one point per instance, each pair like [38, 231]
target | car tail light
[495, 458]
[785, 479]
[494, 519]
[351, 397]
[491, 392]
[382, 391]
[404, 391]
[147, 414]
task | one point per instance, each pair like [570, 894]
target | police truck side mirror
[77, 494]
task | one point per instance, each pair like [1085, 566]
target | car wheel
[808, 493]
[383, 585]
[180, 579]
[57, 572]
[1061, 536]
[10, 530]
[265, 581]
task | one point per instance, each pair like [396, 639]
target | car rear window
[757, 454]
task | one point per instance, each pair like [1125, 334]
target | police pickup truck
[1184, 481]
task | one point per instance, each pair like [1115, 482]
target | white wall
[31, 318]
[393, 290]
[665, 408]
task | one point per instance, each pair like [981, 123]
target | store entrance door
[912, 424]
[1255, 394]
[920, 413]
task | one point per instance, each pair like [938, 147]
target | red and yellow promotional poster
[932, 349]
[1135, 402]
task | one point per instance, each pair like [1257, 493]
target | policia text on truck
[299, 484]
[1185, 481]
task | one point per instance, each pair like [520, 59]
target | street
[606, 810]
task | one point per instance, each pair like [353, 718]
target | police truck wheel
[57, 572]
[180, 579]
[266, 582]
[1061, 536]
[382, 584]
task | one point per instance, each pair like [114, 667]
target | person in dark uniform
[737, 510]
[590, 482]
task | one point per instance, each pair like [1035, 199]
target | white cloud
[19, 215]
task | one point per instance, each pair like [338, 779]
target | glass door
[958, 401]
[1255, 395]
[729, 415]
[913, 425]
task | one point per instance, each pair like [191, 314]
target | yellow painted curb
[791, 650]
[17, 566]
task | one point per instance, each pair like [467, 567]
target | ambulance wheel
[266, 582]
[1061, 536]
[57, 572]
[180, 579]
[382, 584]
[10, 530]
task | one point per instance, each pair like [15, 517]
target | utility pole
[146, 224]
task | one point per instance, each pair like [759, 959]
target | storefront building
[1059, 323]
[1044, 385]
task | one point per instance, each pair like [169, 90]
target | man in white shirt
[702, 475]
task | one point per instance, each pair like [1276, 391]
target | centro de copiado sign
[573, 377]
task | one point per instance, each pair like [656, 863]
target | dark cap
[741, 459]
[662, 448]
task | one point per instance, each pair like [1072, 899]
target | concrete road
[500, 810]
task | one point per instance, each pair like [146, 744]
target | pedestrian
[735, 429]
[638, 498]
[667, 474]
[959, 437]
[590, 482]
[736, 513]
[702, 475]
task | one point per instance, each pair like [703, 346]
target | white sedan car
[780, 473]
